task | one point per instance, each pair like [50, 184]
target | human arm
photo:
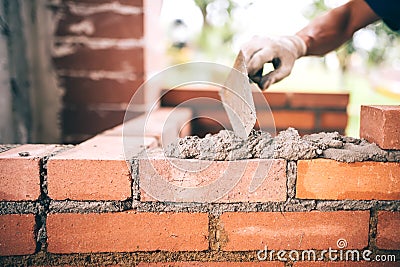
[322, 35]
[329, 31]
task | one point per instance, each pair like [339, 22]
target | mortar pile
[288, 145]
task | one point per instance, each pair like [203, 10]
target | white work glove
[280, 51]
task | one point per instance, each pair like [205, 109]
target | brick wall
[81, 205]
[103, 51]
[307, 112]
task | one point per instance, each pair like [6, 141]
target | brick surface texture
[294, 230]
[212, 264]
[325, 100]
[95, 169]
[334, 120]
[329, 179]
[103, 59]
[381, 125]
[345, 264]
[16, 234]
[127, 231]
[20, 175]
[102, 25]
[388, 230]
[231, 180]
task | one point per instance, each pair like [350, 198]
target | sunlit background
[368, 67]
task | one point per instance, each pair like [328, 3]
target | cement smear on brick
[287, 145]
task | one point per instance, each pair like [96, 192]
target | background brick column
[103, 51]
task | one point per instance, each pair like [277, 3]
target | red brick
[274, 99]
[127, 231]
[81, 120]
[381, 125]
[388, 230]
[281, 119]
[16, 234]
[325, 179]
[333, 120]
[82, 90]
[204, 96]
[211, 264]
[102, 25]
[179, 95]
[94, 170]
[200, 173]
[294, 230]
[287, 118]
[84, 58]
[20, 175]
[345, 264]
[319, 100]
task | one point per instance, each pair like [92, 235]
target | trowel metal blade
[237, 99]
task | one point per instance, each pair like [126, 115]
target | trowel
[237, 99]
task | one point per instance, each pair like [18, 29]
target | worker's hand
[280, 51]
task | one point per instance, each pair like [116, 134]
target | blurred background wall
[30, 96]
[70, 67]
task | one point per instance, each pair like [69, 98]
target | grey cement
[291, 205]
[287, 145]
[70, 206]
[291, 177]
[18, 207]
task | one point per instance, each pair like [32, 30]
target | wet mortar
[288, 144]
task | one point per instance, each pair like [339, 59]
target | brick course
[16, 234]
[211, 264]
[325, 100]
[333, 120]
[388, 230]
[221, 234]
[127, 231]
[329, 179]
[293, 230]
[345, 264]
[94, 170]
[237, 176]
[306, 111]
[20, 175]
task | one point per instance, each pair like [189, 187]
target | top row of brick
[274, 99]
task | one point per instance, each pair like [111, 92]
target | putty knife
[237, 99]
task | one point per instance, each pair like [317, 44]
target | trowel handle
[259, 79]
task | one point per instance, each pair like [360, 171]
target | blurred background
[70, 67]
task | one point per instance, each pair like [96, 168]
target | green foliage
[383, 50]
[215, 39]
